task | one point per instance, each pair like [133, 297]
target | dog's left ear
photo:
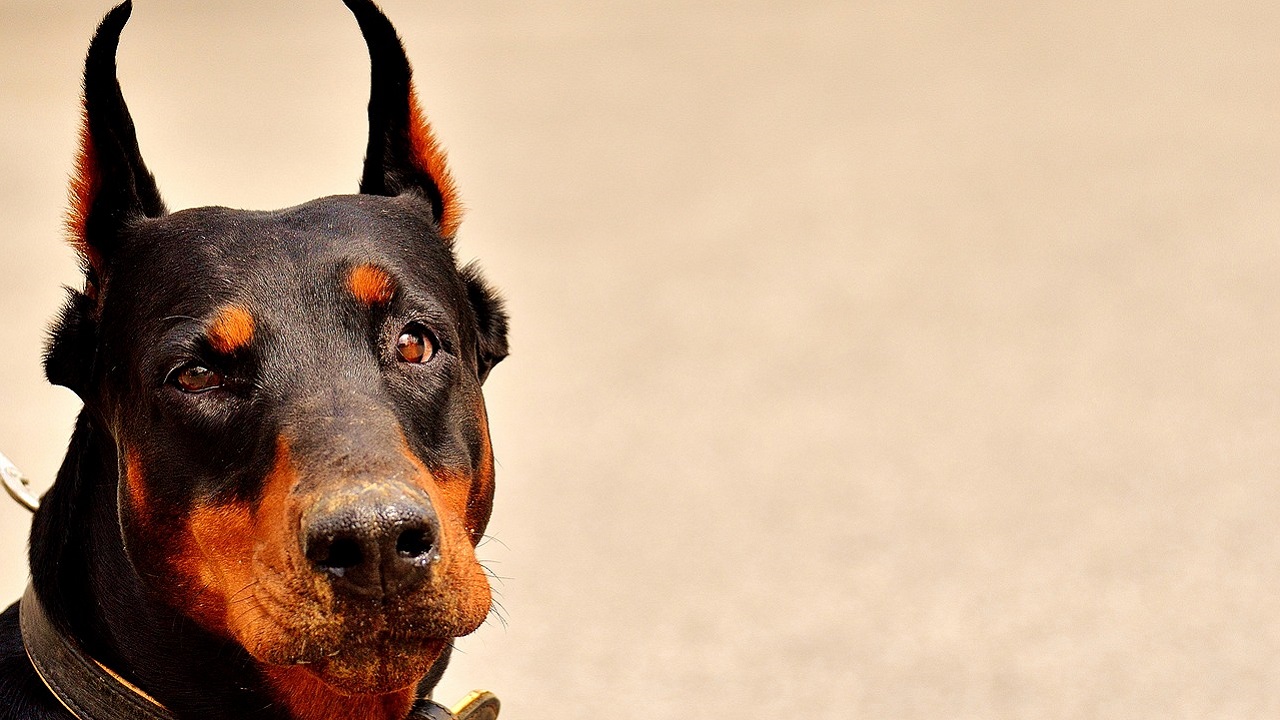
[403, 155]
[491, 321]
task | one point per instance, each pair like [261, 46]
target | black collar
[88, 689]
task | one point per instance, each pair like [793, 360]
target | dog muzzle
[90, 690]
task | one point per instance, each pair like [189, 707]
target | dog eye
[197, 379]
[415, 345]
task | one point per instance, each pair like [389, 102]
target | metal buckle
[479, 705]
[17, 484]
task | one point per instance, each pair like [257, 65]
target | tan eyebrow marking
[371, 285]
[231, 330]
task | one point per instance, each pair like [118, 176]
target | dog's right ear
[72, 344]
[111, 187]
[110, 190]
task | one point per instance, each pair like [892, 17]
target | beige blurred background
[871, 360]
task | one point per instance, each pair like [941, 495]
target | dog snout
[373, 543]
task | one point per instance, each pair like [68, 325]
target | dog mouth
[353, 645]
[353, 650]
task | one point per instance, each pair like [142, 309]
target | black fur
[70, 349]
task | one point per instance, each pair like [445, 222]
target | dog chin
[346, 662]
[377, 669]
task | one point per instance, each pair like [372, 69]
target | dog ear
[491, 321]
[111, 187]
[72, 344]
[403, 155]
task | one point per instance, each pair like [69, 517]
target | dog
[270, 502]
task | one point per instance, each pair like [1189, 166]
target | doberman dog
[271, 499]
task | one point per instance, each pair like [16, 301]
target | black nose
[373, 544]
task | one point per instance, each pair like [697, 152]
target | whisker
[484, 539]
[497, 610]
[487, 571]
[248, 585]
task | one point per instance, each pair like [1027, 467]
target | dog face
[294, 396]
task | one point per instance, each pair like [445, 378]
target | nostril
[337, 556]
[413, 543]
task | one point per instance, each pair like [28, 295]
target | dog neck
[93, 594]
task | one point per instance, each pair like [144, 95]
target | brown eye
[197, 379]
[414, 345]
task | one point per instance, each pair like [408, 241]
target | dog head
[294, 396]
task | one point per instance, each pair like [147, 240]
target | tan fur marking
[431, 159]
[370, 285]
[451, 496]
[224, 544]
[480, 501]
[84, 187]
[216, 563]
[307, 698]
[231, 330]
[134, 482]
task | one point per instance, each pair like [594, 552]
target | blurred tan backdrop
[882, 360]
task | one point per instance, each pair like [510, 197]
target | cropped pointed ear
[403, 154]
[491, 321]
[111, 189]
[111, 186]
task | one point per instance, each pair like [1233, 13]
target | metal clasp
[479, 705]
[17, 484]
